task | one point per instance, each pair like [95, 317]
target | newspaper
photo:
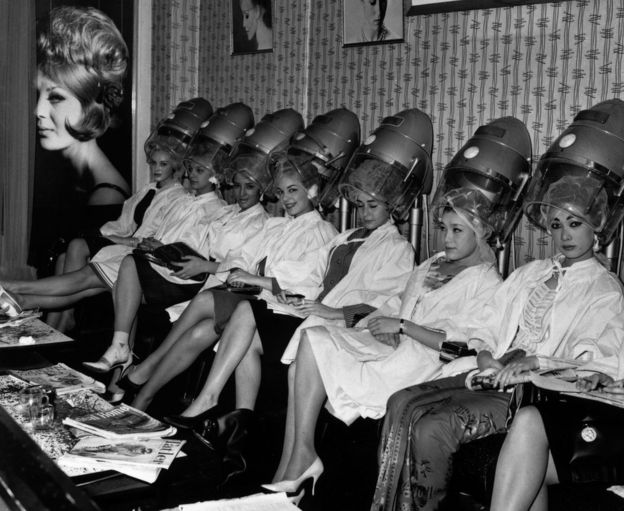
[61, 377]
[257, 502]
[123, 421]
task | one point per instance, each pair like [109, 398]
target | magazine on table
[123, 421]
[152, 452]
[60, 377]
[75, 466]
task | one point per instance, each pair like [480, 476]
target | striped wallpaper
[541, 63]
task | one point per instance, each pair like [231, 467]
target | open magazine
[123, 421]
[61, 378]
[567, 387]
[170, 254]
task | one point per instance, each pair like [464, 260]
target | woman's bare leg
[309, 396]
[127, 295]
[247, 376]
[56, 302]
[289, 432]
[525, 466]
[200, 308]
[57, 285]
[76, 256]
[240, 334]
[180, 357]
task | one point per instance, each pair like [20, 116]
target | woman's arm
[427, 336]
[121, 240]
[239, 278]
[193, 265]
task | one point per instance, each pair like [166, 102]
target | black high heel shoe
[194, 422]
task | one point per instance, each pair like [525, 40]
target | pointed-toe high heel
[8, 304]
[112, 359]
[184, 422]
[295, 487]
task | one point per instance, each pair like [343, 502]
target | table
[11, 333]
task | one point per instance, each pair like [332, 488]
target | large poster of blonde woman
[82, 119]
[372, 22]
[252, 26]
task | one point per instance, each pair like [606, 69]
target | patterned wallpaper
[541, 63]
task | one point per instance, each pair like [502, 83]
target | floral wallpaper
[540, 63]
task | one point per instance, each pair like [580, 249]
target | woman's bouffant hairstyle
[175, 159]
[82, 50]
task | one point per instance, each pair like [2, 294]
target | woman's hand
[384, 325]
[485, 360]
[239, 278]
[190, 266]
[392, 340]
[149, 244]
[510, 374]
[290, 298]
[593, 382]
[616, 387]
[312, 308]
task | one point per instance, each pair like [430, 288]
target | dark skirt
[275, 330]
[158, 291]
[224, 305]
[585, 439]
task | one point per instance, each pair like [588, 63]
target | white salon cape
[186, 219]
[284, 242]
[107, 260]
[360, 373]
[125, 226]
[227, 234]
[380, 269]
[586, 324]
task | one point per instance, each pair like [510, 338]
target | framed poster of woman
[252, 26]
[372, 22]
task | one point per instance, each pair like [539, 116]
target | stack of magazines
[123, 439]
[62, 378]
[136, 457]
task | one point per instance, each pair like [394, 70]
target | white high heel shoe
[8, 304]
[296, 487]
[115, 356]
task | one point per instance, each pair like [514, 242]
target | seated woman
[568, 307]
[139, 278]
[356, 369]
[270, 260]
[141, 216]
[360, 269]
[540, 444]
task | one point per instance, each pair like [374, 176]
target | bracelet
[401, 325]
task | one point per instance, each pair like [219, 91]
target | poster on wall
[83, 156]
[372, 22]
[252, 26]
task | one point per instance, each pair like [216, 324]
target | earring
[596, 246]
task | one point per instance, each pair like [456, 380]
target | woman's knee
[77, 248]
[204, 300]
